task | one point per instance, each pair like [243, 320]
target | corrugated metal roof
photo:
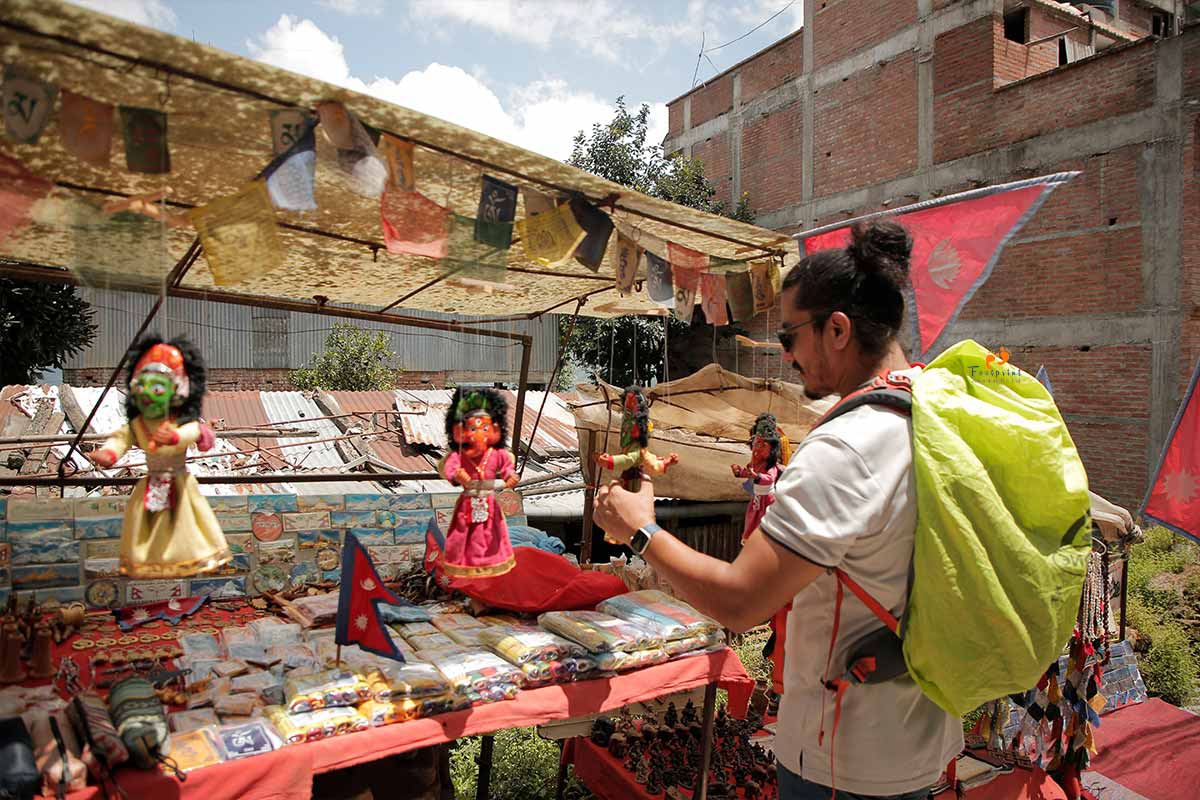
[424, 420]
[386, 447]
[302, 413]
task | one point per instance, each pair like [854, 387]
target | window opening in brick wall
[1160, 23]
[1016, 25]
[1062, 52]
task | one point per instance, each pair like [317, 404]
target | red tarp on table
[287, 774]
[1152, 748]
[608, 779]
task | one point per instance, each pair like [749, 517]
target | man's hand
[620, 512]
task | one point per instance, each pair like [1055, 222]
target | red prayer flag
[1174, 497]
[685, 258]
[362, 592]
[712, 290]
[957, 241]
[20, 189]
[414, 224]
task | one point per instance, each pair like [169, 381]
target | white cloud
[151, 13]
[354, 7]
[604, 28]
[543, 116]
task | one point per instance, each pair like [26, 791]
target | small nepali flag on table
[1174, 496]
[362, 592]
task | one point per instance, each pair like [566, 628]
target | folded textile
[667, 616]
[413, 679]
[525, 536]
[600, 632]
[313, 725]
[523, 644]
[695, 644]
[478, 670]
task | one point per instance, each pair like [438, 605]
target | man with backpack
[846, 502]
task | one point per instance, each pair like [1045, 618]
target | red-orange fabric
[542, 581]
[1152, 748]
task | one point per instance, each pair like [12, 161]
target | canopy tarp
[706, 419]
[218, 110]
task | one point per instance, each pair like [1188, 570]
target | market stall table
[286, 774]
[607, 778]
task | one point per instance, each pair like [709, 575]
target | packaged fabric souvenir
[238, 634]
[326, 689]
[599, 632]
[451, 622]
[388, 712]
[236, 705]
[396, 680]
[408, 629]
[247, 739]
[229, 668]
[445, 703]
[391, 613]
[295, 656]
[667, 616]
[277, 633]
[200, 645]
[183, 721]
[477, 669]
[468, 637]
[526, 643]
[194, 749]
[620, 661]
[429, 641]
[258, 682]
[308, 727]
[695, 644]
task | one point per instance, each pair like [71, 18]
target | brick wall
[714, 152]
[712, 99]
[843, 27]
[780, 63]
[771, 166]
[265, 380]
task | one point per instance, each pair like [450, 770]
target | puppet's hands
[739, 471]
[604, 460]
[103, 458]
[671, 460]
[166, 433]
[512, 480]
[462, 477]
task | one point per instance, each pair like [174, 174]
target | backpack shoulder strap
[888, 389]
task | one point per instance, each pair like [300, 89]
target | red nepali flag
[957, 241]
[362, 592]
[1174, 496]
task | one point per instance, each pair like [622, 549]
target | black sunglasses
[785, 335]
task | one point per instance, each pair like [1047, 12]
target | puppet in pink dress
[767, 459]
[477, 544]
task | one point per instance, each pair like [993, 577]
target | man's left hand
[620, 512]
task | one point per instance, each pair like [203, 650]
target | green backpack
[1002, 539]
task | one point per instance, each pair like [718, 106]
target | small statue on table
[477, 543]
[170, 531]
[635, 456]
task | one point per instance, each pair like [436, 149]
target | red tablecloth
[287, 774]
[608, 779]
[1152, 748]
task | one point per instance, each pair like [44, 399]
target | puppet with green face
[170, 531]
[635, 456]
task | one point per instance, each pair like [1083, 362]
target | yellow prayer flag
[239, 235]
[552, 237]
[399, 157]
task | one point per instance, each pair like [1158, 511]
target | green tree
[353, 360]
[41, 326]
[610, 348]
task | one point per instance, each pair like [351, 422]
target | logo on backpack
[995, 369]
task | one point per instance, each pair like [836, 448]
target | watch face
[639, 542]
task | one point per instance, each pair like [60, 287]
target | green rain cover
[1003, 533]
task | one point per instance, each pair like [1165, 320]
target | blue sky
[532, 72]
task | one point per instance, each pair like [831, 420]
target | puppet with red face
[768, 455]
[477, 544]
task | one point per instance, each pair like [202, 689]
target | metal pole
[588, 466]
[562, 347]
[706, 742]
[221, 480]
[560, 785]
[483, 785]
[522, 387]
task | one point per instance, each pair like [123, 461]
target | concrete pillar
[806, 97]
[735, 141]
[925, 37]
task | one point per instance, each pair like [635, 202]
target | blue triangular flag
[1044, 379]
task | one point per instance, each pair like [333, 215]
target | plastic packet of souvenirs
[620, 661]
[446, 607]
[429, 641]
[453, 622]
[511, 620]
[201, 668]
[183, 721]
[408, 629]
[521, 645]
[468, 637]
[253, 682]
[200, 645]
[277, 634]
[476, 669]
[238, 634]
[695, 644]
[229, 668]
[598, 632]
[326, 689]
[295, 656]
[249, 652]
[236, 705]
[387, 712]
[545, 673]
[313, 725]
[442, 704]
[247, 739]
[394, 680]
[193, 749]
[582, 668]
[667, 616]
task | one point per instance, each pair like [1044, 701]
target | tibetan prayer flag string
[398, 155]
[762, 285]
[19, 190]
[357, 158]
[628, 257]
[551, 238]
[740, 295]
[414, 225]
[239, 235]
[86, 128]
[712, 301]
[291, 176]
[27, 105]
[145, 132]
[599, 228]
[659, 283]
[497, 210]
[288, 126]
[685, 258]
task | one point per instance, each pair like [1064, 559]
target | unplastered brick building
[875, 105]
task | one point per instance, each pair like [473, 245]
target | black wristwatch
[641, 539]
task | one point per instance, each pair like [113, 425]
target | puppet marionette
[169, 531]
[769, 453]
[479, 461]
[635, 457]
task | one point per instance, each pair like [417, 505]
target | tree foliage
[353, 360]
[41, 326]
[618, 151]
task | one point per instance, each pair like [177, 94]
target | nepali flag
[957, 241]
[1174, 497]
[362, 592]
